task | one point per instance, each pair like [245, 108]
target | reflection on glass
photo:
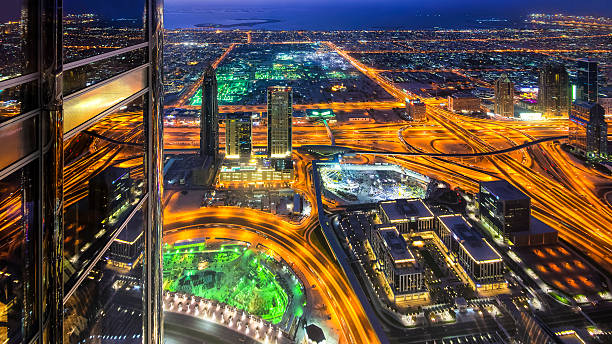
[82, 107]
[18, 140]
[108, 305]
[17, 38]
[93, 28]
[18, 100]
[17, 257]
[104, 179]
[78, 78]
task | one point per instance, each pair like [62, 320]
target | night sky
[132, 8]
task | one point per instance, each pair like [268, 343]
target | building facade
[80, 172]
[280, 113]
[416, 110]
[482, 264]
[588, 130]
[238, 143]
[587, 80]
[504, 208]
[403, 274]
[554, 91]
[407, 215]
[209, 118]
[463, 102]
[504, 96]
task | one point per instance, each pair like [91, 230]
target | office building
[480, 261]
[504, 209]
[209, 118]
[416, 110]
[238, 143]
[554, 91]
[403, 274]
[587, 81]
[504, 96]
[463, 102]
[280, 113]
[80, 173]
[407, 215]
[588, 130]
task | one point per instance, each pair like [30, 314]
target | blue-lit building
[587, 80]
[588, 130]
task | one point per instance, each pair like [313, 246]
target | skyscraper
[504, 96]
[588, 130]
[80, 168]
[238, 136]
[209, 118]
[587, 80]
[554, 91]
[280, 113]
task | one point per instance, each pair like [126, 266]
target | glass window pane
[97, 27]
[18, 140]
[104, 179]
[18, 100]
[78, 78]
[82, 107]
[108, 305]
[18, 256]
[17, 38]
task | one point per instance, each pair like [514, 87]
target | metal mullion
[104, 82]
[103, 114]
[19, 80]
[12, 168]
[20, 118]
[86, 61]
[100, 254]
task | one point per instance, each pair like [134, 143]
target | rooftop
[396, 246]
[504, 190]
[473, 243]
[403, 209]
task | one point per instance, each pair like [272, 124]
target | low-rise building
[399, 266]
[463, 102]
[416, 110]
[407, 215]
[481, 263]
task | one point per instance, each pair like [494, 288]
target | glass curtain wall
[80, 212]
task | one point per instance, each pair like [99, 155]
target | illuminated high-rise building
[209, 118]
[587, 80]
[504, 96]
[80, 170]
[280, 113]
[554, 91]
[588, 130]
[238, 143]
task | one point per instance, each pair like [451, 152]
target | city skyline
[296, 173]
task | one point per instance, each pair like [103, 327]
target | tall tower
[209, 117]
[588, 130]
[554, 91]
[504, 96]
[81, 168]
[587, 80]
[280, 113]
[238, 136]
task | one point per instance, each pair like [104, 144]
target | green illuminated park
[233, 274]
[311, 69]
